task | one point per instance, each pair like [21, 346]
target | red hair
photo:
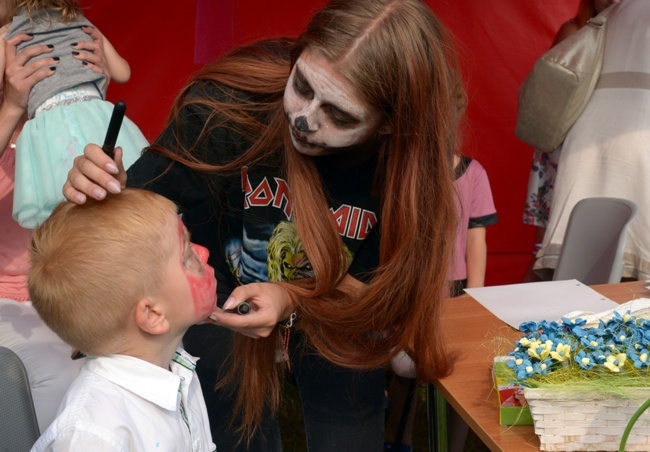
[400, 59]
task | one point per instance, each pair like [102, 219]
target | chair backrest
[594, 241]
[18, 424]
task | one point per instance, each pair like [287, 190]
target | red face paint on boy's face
[203, 286]
[199, 275]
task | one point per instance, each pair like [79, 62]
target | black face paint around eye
[301, 124]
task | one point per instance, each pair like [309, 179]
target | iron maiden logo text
[353, 222]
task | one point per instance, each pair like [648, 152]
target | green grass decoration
[609, 358]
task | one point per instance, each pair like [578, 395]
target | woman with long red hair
[319, 173]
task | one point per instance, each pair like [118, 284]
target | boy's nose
[202, 252]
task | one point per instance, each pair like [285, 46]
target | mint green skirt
[47, 146]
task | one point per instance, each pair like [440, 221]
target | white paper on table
[536, 301]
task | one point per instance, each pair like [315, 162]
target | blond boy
[120, 281]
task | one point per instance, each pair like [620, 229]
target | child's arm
[476, 257]
[119, 67]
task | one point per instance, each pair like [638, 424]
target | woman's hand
[92, 53]
[101, 57]
[93, 174]
[270, 304]
[22, 73]
[20, 76]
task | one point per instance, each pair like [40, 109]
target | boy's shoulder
[123, 403]
[88, 415]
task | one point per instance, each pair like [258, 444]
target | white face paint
[333, 115]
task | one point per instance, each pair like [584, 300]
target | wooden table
[470, 330]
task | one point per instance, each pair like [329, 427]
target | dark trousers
[343, 409]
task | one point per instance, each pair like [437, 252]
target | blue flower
[571, 323]
[542, 367]
[585, 360]
[641, 358]
[546, 346]
[529, 327]
[525, 369]
[600, 330]
[591, 341]
[599, 356]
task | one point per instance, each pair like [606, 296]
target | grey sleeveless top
[70, 72]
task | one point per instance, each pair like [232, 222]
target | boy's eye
[191, 260]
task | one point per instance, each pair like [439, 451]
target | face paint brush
[114, 129]
[242, 308]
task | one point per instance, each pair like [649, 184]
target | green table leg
[437, 420]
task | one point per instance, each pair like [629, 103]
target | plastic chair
[18, 425]
[594, 241]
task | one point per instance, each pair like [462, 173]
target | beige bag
[558, 88]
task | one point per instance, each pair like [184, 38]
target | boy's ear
[150, 317]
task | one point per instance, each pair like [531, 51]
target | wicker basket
[591, 422]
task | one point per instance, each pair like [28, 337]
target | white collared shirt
[122, 403]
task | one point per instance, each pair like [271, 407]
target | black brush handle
[114, 128]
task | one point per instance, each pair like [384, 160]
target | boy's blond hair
[91, 263]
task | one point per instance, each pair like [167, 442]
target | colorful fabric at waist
[80, 93]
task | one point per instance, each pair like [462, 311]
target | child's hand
[93, 174]
[22, 73]
[270, 304]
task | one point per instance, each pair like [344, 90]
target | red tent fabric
[498, 42]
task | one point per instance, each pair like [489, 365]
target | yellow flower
[615, 362]
[562, 352]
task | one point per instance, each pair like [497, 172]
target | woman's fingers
[94, 174]
[270, 303]
[22, 72]
[257, 324]
[91, 53]
[26, 54]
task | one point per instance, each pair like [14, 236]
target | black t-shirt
[244, 218]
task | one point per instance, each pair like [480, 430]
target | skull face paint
[326, 114]
[301, 124]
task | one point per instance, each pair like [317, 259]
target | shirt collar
[146, 380]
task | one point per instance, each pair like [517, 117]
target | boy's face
[191, 287]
